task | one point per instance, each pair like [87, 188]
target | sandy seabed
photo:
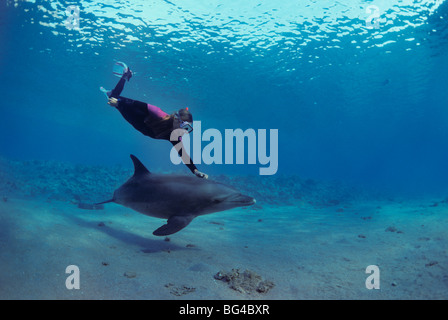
[308, 252]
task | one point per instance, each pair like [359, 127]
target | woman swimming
[151, 120]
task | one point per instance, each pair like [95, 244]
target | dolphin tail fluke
[111, 200]
[174, 224]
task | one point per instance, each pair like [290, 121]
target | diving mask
[184, 124]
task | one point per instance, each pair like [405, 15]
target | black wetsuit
[146, 119]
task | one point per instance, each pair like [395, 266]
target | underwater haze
[352, 103]
[358, 91]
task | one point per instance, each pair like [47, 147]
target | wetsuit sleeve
[190, 165]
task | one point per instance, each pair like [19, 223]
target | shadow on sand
[147, 245]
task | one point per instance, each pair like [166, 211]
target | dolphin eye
[217, 201]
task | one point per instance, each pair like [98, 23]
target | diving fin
[106, 92]
[120, 68]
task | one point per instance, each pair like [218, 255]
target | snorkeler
[148, 119]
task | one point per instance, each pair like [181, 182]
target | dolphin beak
[243, 200]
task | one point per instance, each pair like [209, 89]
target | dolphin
[177, 198]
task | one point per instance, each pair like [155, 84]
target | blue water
[362, 105]
[366, 107]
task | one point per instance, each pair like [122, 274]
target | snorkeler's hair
[185, 115]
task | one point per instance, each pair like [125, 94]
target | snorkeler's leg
[127, 75]
[115, 93]
[135, 112]
[121, 70]
[134, 107]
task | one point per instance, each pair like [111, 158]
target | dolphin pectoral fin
[174, 224]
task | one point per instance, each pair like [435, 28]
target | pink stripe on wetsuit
[156, 111]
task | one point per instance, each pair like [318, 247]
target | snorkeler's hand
[200, 174]
[113, 102]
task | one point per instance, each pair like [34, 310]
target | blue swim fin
[120, 68]
[106, 92]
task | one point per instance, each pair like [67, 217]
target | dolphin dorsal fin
[139, 168]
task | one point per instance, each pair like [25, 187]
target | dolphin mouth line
[244, 202]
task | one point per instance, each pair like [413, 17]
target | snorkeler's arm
[189, 163]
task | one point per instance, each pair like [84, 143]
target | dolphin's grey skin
[177, 198]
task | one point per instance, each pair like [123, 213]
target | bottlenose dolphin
[177, 198]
